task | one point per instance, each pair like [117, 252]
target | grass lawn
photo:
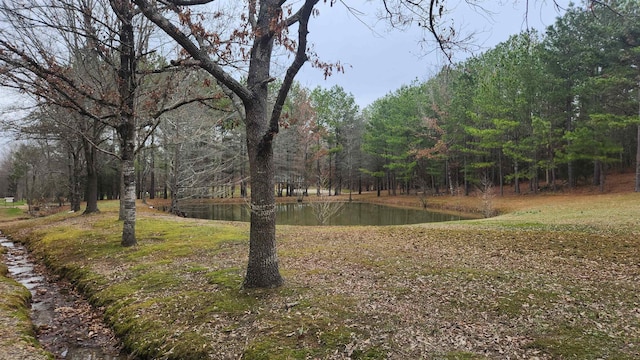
[554, 277]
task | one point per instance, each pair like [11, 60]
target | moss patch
[523, 285]
[17, 338]
[568, 341]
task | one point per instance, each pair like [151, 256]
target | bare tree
[196, 142]
[262, 26]
[265, 25]
[91, 57]
[34, 173]
[324, 208]
[46, 41]
[487, 195]
[79, 137]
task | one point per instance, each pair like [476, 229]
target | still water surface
[303, 214]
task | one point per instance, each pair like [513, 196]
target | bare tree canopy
[264, 27]
[88, 56]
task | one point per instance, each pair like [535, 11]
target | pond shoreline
[333, 213]
[467, 207]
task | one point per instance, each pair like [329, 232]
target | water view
[303, 214]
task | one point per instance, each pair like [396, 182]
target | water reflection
[303, 214]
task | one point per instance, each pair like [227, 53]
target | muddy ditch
[66, 325]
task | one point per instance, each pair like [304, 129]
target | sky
[379, 61]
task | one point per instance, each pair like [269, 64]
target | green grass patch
[230, 278]
[17, 330]
[16, 296]
[568, 341]
[12, 212]
[309, 341]
[313, 327]
[195, 268]
[524, 299]
[161, 325]
[233, 303]
[171, 239]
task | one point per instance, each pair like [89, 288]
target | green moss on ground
[525, 285]
[17, 338]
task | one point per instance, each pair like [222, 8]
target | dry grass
[556, 277]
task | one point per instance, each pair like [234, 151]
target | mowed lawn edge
[552, 279]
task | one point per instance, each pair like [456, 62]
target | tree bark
[152, 180]
[74, 180]
[92, 178]
[602, 174]
[262, 267]
[128, 197]
[517, 178]
[597, 168]
[500, 174]
[92, 192]
[638, 161]
[126, 128]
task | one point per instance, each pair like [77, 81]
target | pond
[303, 214]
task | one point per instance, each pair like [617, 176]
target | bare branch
[303, 16]
[187, 2]
[194, 50]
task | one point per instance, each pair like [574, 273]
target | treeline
[546, 110]
[550, 110]
[554, 110]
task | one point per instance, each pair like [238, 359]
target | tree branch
[51, 76]
[302, 17]
[153, 14]
[186, 2]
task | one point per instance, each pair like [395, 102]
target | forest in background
[552, 110]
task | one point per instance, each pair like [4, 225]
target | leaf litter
[464, 290]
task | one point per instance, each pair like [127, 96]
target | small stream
[66, 325]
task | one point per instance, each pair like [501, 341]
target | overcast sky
[380, 61]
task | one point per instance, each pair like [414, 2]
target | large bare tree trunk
[92, 178]
[152, 180]
[92, 191]
[602, 175]
[262, 267]
[126, 129]
[128, 199]
[75, 169]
